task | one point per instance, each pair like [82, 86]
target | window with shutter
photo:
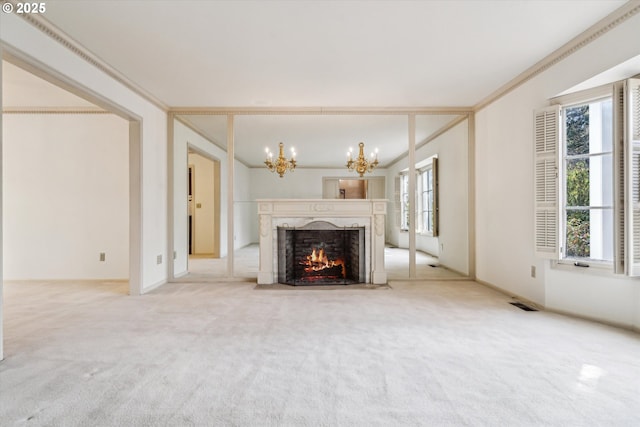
[587, 178]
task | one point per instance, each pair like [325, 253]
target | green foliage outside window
[577, 179]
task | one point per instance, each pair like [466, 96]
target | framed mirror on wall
[199, 208]
[354, 188]
[322, 142]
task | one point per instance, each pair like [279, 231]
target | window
[426, 199]
[587, 179]
[404, 202]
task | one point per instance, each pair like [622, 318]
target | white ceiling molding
[58, 35]
[54, 110]
[601, 27]
[387, 111]
[592, 33]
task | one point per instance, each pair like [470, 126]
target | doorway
[72, 216]
[203, 205]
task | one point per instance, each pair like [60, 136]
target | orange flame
[318, 260]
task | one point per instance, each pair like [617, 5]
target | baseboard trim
[183, 274]
[540, 307]
[512, 295]
[153, 286]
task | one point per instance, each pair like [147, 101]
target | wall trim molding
[606, 24]
[319, 110]
[592, 33]
[54, 110]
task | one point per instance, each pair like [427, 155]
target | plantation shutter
[435, 194]
[547, 139]
[397, 199]
[618, 183]
[632, 205]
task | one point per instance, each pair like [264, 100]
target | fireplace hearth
[321, 253]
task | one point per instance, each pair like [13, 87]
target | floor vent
[523, 306]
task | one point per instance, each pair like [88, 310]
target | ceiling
[313, 54]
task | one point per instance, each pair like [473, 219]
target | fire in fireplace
[321, 253]
[319, 262]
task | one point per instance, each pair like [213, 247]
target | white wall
[46, 53]
[451, 246]
[504, 192]
[245, 219]
[66, 196]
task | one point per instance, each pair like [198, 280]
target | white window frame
[562, 182]
[423, 228]
[432, 167]
[404, 188]
[548, 141]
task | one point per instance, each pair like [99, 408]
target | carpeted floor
[450, 353]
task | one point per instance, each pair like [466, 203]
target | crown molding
[54, 110]
[601, 27]
[42, 24]
[318, 110]
[606, 24]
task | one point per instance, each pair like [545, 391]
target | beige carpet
[224, 354]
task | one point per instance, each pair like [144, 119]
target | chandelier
[361, 164]
[281, 164]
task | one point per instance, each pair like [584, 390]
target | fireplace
[321, 253]
[356, 220]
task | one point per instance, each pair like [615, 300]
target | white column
[379, 274]
[230, 172]
[412, 195]
[265, 269]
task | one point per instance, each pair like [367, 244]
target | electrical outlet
[103, 256]
[175, 255]
[533, 271]
[159, 259]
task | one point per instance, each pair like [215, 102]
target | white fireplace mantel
[369, 213]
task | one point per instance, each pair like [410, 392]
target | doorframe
[216, 196]
[135, 151]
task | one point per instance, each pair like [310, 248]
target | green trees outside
[577, 178]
